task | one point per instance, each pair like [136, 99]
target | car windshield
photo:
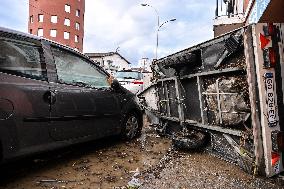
[128, 75]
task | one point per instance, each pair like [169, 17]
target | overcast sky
[110, 24]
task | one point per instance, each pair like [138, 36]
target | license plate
[270, 100]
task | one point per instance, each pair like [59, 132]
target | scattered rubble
[148, 162]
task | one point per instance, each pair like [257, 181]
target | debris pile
[227, 100]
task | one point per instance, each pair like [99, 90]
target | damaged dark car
[52, 96]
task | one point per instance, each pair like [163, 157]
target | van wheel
[131, 127]
[194, 140]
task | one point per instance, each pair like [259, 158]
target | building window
[78, 13]
[31, 19]
[67, 22]
[53, 19]
[31, 31]
[67, 8]
[40, 32]
[76, 38]
[40, 18]
[66, 35]
[77, 26]
[53, 33]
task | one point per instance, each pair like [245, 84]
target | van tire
[131, 126]
[194, 141]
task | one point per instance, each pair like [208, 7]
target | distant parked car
[52, 96]
[131, 80]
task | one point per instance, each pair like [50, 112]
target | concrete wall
[274, 12]
[225, 28]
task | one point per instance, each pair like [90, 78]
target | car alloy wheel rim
[131, 126]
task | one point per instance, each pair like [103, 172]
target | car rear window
[21, 59]
[129, 75]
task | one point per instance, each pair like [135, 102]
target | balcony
[229, 12]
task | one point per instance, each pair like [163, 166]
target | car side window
[21, 59]
[72, 69]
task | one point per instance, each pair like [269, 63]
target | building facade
[58, 20]
[145, 64]
[110, 61]
[232, 14]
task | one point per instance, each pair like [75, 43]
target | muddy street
[147, 162]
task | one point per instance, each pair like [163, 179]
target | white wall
[112, 63]
[145, 63]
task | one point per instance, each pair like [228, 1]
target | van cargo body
[230, 87]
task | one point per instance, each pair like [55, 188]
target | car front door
[84, 104]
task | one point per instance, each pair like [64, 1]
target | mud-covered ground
[148, 162]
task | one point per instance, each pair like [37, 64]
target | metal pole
[157, 44]
[158, 26]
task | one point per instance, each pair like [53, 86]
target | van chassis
[225, 89]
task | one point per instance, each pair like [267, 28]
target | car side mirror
[115, 85]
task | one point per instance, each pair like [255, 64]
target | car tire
[132, 127]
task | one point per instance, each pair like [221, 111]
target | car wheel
[131, 127]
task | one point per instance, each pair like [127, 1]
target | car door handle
[50, 97]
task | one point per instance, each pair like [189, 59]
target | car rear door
[23, 84]
[84, 104]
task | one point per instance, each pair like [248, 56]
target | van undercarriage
[221, 88]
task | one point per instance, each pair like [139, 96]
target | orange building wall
[246, 3]
[57, 7]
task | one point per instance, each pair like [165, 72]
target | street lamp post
[158, 26]
[157, 13]
[157, 44]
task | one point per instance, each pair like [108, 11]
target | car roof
[7, 30]
[40, 39]
[34, 37]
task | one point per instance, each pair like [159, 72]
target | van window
[128, 75]
[21, 59]
[72, 69]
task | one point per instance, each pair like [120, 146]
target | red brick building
[58, 20]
